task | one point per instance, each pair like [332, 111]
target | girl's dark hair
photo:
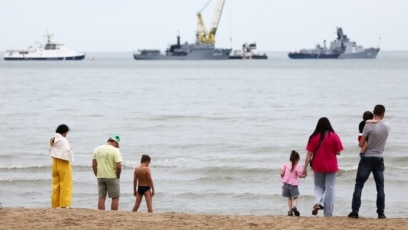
[294, 158]
[323, 125]
[367, 115]
[62, 129]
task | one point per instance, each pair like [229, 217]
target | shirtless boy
[143, 184]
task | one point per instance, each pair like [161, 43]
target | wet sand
[22, 218]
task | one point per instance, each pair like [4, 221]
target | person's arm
[94, 166]
[52, 141]
[282, 171]
[118, 169]
[364, 148]
[307, 161]
[150, 180]
[362, 141]
[364, 136]
[299, 171]
[134, 183]
[372, 121]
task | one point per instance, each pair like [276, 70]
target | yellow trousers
[61, 183]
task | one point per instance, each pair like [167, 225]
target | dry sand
[22, 218]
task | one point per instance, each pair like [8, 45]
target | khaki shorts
[108, 186]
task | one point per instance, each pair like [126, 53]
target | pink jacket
[289, 176]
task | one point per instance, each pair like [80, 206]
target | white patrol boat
[51, 51]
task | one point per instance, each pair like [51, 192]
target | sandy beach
[22, 218]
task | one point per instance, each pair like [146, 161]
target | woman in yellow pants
[62, 156]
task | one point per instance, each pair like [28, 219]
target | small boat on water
[341, 48]
[248, 51]
[51, 51]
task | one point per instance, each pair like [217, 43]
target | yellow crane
[202, 33]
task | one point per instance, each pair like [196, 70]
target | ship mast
[49, 37]
[202, 33]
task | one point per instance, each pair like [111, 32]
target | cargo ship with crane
[202, 49]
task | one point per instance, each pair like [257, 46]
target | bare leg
[115, 204]
[149, 202]
[101, 203]
[294, 208]
[290, 203]
[295, 201]
[137, 203]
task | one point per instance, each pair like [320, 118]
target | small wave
[36, 168]
[174, 117]
[401, 168]
[225, 170]
[203, 195]
[354, 168]
[216, 117]
[25, 180]
[399, 160]
[348, 168]
[24, 167]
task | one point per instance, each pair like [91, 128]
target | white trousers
[324, 184]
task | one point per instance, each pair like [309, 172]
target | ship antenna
[49, 36]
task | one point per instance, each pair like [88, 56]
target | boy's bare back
[143, 184]
[143, 176]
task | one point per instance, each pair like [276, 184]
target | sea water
[218, 132]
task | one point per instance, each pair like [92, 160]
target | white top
[60, 148]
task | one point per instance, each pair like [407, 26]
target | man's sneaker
[381, 216]
[355, 215]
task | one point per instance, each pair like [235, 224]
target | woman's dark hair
[368, 115]
[323, 125]
[294, 158]
[62, 129]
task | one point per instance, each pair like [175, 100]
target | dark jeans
[365, 167]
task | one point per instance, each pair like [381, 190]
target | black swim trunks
[142, 189]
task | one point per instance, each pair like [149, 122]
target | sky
[129, 25]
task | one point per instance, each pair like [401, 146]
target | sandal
[295, 211]
[316, 208]
[290, 213]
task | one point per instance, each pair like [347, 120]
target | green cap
[115, 138]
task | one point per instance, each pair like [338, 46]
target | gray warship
[319, 52]
[202, 49]
[340, 48]
[351, 49]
